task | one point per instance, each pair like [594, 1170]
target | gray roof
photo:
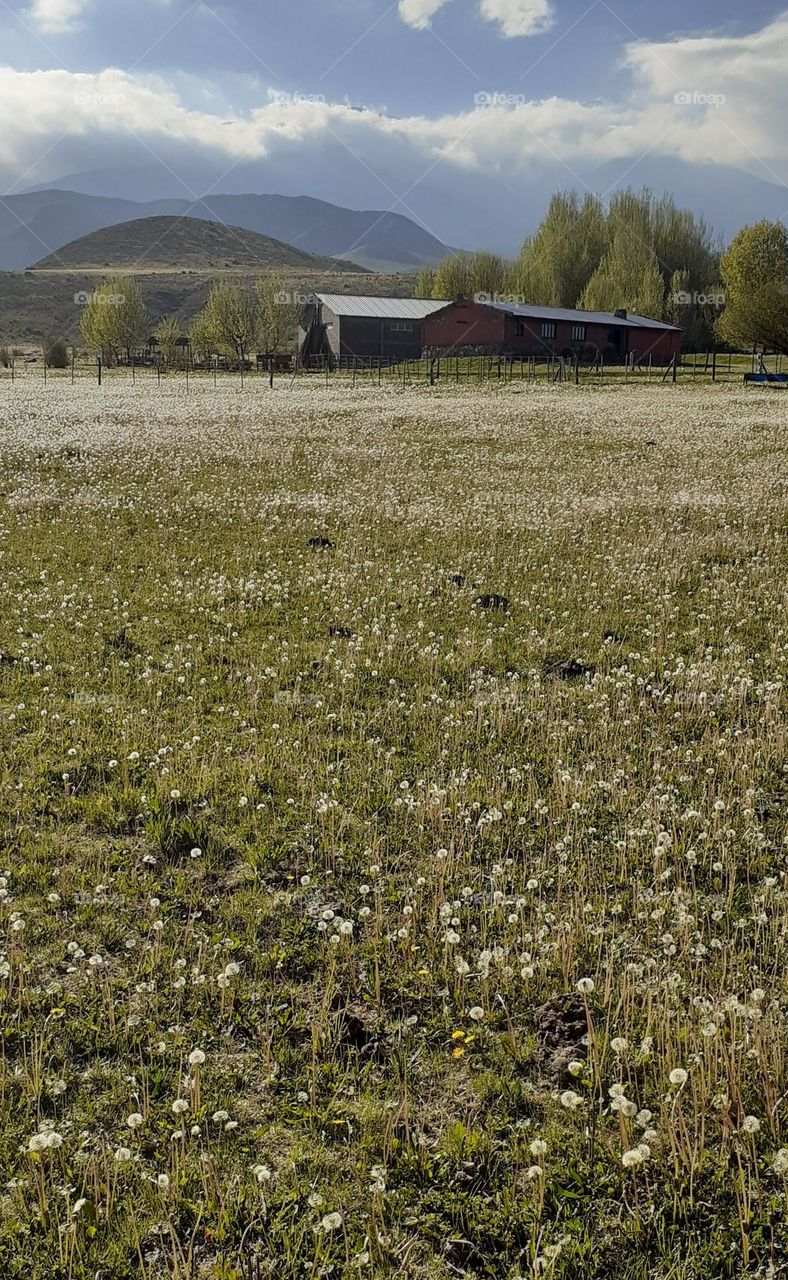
[347, 304]
[579, 317]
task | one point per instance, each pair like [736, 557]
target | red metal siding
[464, 325]
[472, 327]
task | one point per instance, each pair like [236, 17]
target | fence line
[436, 371]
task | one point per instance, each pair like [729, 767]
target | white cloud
[519, 17]
[56, 17]
[417, 13]
[510, 139]
[514, 17]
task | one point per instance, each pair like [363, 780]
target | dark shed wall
[373, 337]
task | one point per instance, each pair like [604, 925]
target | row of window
[548, 330]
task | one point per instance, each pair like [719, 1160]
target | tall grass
[351, 927]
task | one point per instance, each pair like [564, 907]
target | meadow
[393, 796]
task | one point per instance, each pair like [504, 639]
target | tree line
[646, 255]
[236, 321]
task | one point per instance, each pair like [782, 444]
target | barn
[470, 327]
[339, 325]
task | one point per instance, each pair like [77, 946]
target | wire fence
[711, 367]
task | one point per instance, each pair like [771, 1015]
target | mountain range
[36, 224]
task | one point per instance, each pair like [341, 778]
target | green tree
[278, 314]
[230, 320]
[628, 277]
[201, 339]
[555, 264]
[453, 278]
[424, 283]
[168, 335]
[115, 318]
[489, 273]
[755, 279]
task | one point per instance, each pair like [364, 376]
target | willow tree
[755, 279]
[556, 263]
[229, 320]
[115, 318]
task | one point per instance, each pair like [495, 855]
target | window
[578, 333]
[548, 328]
[519, 328]
[401, 327]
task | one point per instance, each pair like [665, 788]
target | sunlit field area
[393, 789]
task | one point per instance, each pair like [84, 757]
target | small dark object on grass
[560, 1028]
[6, 660]
[491, 600]
[769, 805]
[341, 633]
[321, 543]
[121, 642]
[613, 637]
[458, 579]
[652, 444]
[570, 669]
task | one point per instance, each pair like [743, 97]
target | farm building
[339, 325]
[468, 327]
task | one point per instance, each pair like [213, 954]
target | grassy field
[393, 795]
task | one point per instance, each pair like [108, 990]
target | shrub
[56, 355]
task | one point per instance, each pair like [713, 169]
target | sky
[464, 114]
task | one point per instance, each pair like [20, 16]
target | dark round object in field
[491, 600]
[569, 669]
[340, 633]
[458, 579]
[321, 544]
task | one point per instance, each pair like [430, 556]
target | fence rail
[438, 371]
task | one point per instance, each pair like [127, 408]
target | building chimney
[621, 314]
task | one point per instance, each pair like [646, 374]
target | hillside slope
[37, 224]
[178, 243]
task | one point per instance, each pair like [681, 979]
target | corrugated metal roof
[578, 317]
[362, 307]
[347, 304]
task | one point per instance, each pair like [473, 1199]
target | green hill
[177, 244]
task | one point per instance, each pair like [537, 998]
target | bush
[56, 355]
